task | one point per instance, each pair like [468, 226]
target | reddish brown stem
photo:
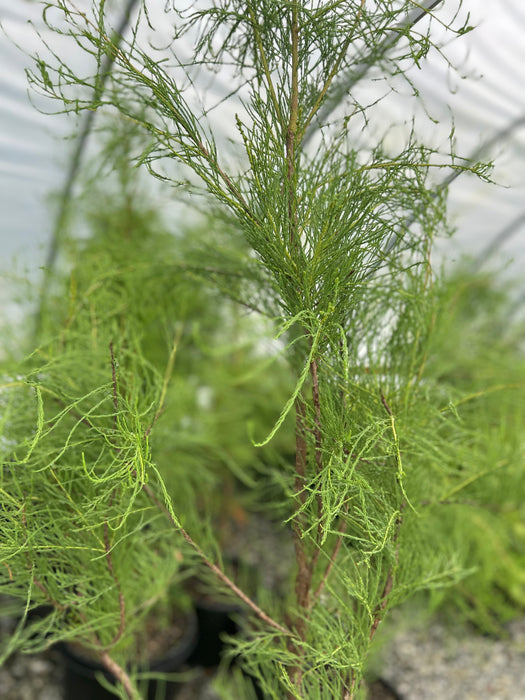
[378, 612]
[120, 674]
[316, 399]
[302, 581]
[333, 557]
[114, 379]
[122, 602]
[385, 404]
[317, 415]
[300, 449]
[216, 570]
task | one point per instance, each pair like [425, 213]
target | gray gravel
[31, 678]
[435, 664]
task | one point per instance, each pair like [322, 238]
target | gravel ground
[420, 665]
[32, 678]
[432, 664]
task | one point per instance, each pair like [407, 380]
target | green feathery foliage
[330, 238]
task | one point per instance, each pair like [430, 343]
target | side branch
[304, 575]
[232, 189]
[234, 588]
[216, 570]
[387, 588]
[266, 68]
[177, 113]
[333, 557]
[316, 399]
[291, 133]
[317, 415]
[114, 379]
[120, 674]
[167, 376]
[335, 69]
[121, 600]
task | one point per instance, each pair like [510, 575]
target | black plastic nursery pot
[215, 619]
[381, 689]
[82, 673]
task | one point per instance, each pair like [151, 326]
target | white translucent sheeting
[33, 161]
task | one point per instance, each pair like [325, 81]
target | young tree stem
[120, 674]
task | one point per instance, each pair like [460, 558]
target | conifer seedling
[337, 226]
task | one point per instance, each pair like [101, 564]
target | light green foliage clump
[77, 415]
[103, 418]
[477, 353]
[328, 239]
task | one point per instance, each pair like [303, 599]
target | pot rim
[173, 657]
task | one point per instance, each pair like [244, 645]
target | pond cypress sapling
[340, 228]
